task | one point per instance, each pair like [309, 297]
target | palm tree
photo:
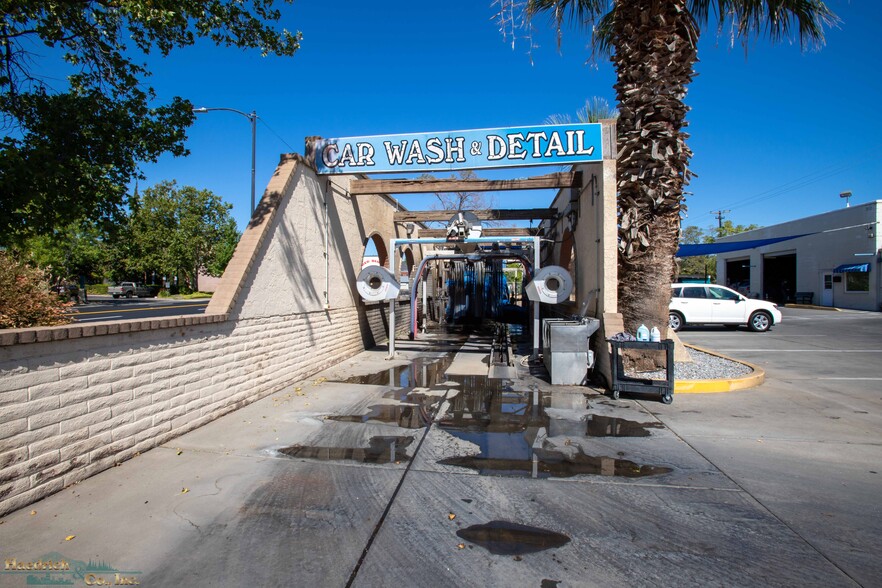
[595, 110]
[654, 47]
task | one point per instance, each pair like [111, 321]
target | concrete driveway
[807, 445]
[337, 481]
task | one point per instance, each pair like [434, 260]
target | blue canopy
[688, 250]
[852, 267]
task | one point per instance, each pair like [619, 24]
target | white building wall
[844, 236]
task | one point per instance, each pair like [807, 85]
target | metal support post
[536, 306]
[392, 304]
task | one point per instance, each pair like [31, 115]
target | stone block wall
[76, 400]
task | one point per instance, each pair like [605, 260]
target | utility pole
[719, 214]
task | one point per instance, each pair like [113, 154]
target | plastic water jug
[655, 335]
[643, 333]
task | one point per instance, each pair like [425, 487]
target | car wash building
[830, 259]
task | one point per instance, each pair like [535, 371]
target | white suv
[709, 303]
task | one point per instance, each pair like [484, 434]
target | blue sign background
[453, 150]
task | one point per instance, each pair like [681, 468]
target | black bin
[661, 389]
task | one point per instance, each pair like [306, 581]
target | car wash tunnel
[470, 279]
[466, 391]
[471, 366]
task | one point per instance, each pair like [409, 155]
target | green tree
[654, 46]
[179, 232]
[696, 265]
[76, 249]
[706, 265]
[70, 149]
[727, 228]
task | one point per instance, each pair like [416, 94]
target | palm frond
[582, 13]
[800, 20]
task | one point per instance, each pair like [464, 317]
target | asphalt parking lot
[776, 485]
[807, 445]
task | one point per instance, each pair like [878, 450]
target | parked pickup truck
[130, 289]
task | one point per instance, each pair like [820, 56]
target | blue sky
[777, 134]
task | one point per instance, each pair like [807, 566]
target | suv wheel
[760, 321]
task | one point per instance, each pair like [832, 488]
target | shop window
[857, 282]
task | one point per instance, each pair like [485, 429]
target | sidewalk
[336, 479]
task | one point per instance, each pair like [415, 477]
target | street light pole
[253, 119]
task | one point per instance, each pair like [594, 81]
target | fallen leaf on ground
[69, 537]
[460, 546]
[184, 490]
[451, 516]
[180, 451]
[33, 512]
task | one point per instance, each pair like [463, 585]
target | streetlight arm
[253, 119]
[203, 110]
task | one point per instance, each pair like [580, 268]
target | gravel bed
[704, 366]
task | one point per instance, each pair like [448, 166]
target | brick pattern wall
[69, 409]
[75, 400]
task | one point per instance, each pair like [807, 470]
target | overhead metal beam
[487, 232]
[417, 186]
[403, 216]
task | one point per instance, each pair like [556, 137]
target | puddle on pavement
[406, 416]
[422, 372]
[506, 538]
[554, 464]
[503, 423]
[604, 426]
[379, 450]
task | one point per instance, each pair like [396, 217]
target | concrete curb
[813, 307]
[721, 385]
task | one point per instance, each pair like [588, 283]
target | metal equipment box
[565, 349]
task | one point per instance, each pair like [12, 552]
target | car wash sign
[453, 150]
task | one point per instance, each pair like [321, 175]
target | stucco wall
[844, 236]
[76, 400]
[590, 216]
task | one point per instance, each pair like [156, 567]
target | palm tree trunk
[655, 50]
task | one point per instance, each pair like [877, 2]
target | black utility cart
[662, 389]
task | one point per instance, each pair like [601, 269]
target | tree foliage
[595, 110]
[25, 300]
[73, 250]
[70, 151]
[653, 45]
[179, 231]
[706, 265]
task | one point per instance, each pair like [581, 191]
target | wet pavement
[424, 471]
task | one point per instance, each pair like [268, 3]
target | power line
[796, 184]
[278, 136]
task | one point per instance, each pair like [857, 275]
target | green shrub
[97, 288]
[25, 300]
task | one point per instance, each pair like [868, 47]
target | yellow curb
[721, 385]
[813, 307]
